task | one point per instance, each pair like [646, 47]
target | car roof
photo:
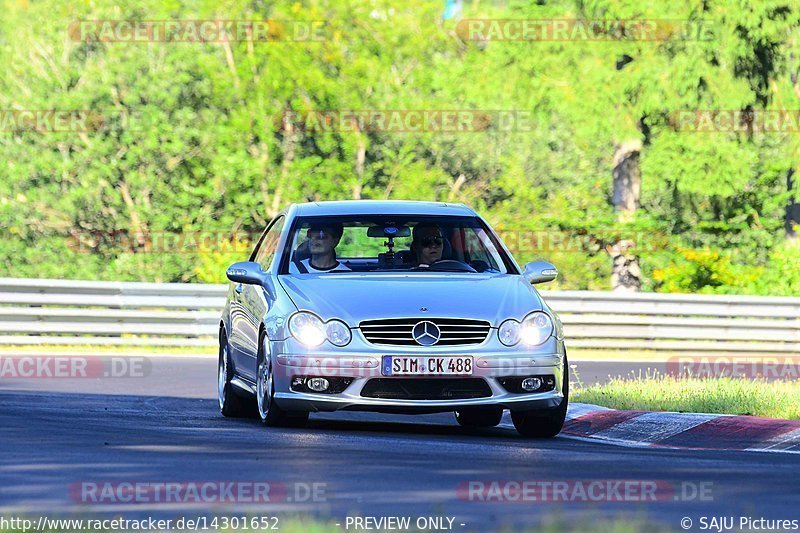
[381, 207]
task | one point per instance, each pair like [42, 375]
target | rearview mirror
[247, 272]
[388, 231]
[540, 272]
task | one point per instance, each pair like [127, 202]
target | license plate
[399, 365]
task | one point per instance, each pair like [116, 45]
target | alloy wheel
[264, 384]
[222, 375]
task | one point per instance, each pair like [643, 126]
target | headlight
[337, 332]
[536, 328]
[310, 330]
[307, 328]
[509, 332]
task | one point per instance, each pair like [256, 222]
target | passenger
[322, 241]
[427, 243]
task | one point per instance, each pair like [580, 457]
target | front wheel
[544, 424]
[270, 413]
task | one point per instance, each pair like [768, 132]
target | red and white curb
[681, 430]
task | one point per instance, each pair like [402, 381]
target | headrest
[301, 252]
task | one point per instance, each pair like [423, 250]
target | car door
[251, 302]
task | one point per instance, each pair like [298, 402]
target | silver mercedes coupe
[394, 307]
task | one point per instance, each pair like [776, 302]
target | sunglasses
[432, 241]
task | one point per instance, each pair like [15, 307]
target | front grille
[397, 331]
[426, 388]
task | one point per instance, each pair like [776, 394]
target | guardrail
[679, 322]
[60, 312]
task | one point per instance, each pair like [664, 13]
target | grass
[654, 356]
[649, 392]
[659, 392]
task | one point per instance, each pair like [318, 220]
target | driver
[427, 244]
[322, 241]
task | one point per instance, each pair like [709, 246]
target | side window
[480, 248]
[269, 245]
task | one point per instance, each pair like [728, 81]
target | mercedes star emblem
[426, 333]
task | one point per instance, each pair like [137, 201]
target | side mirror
[540, 272]
[247, 272]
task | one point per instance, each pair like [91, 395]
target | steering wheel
[445, 265]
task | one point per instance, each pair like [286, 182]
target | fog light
[528, 384]
[531, 384]
[317, 384]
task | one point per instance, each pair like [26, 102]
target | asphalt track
[165, 427]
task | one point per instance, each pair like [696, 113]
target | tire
[270, 412]
[479, 417]
[544, 423]
[230, 404]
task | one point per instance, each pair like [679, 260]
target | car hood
[357, 297]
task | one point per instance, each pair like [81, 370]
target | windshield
[393, 243]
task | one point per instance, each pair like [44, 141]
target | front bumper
[363, 366]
